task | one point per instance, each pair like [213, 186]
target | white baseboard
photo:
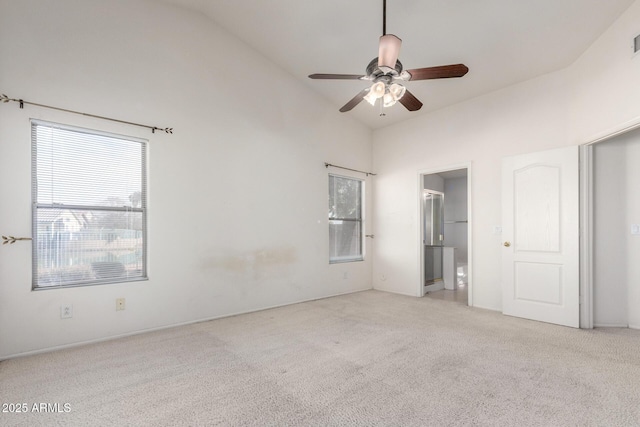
[391, 291]
[611, 325]
[160, 328]
[487, 308]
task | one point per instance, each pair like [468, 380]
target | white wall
[480, 131]
[605, 82]
[616, 284]
[237, 196]
[597, 94]
[610, 293]
[633, 241]
[434, 182]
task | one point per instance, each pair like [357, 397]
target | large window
[345, 219]
[89, 206]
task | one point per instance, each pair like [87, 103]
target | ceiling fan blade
[441, 72]
[410, 102]
[337, 76]
[355, 101]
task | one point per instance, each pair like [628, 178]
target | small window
[89, 207]
[345, 219]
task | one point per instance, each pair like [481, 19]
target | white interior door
[540, 230]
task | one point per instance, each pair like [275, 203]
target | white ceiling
[501, 41]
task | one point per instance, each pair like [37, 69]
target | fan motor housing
[374, 72]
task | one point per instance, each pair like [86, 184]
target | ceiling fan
[388, 76]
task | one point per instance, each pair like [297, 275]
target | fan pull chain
[382, 113]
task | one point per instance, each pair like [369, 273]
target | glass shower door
[433, 213]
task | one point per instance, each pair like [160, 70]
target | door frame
[586, 235]
[420, 226]
[586, 216]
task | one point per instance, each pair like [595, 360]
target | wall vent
[636, 44]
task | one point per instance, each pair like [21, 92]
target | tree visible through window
[89, 206]
[345, 219]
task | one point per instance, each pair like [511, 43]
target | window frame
[361, 221]
[143, 209]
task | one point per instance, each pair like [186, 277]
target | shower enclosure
[433, 237]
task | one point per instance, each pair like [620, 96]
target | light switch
[635, 229]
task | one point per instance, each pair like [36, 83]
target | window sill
[93, 283]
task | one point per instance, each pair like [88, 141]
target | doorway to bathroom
[445, 233]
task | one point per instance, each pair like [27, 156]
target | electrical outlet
[119, 304]
[66, 311]
[345, 275]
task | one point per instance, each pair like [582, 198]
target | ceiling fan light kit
[377, 90]
[397, 91]
[388, 100]
[387, 75]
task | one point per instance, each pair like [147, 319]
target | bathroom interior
[445, 235]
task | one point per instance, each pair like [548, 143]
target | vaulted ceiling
[503, 42]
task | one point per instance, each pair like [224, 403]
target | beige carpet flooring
[369, 358]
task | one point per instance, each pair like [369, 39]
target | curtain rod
[11, 240]
[4, 98]
[326, 165]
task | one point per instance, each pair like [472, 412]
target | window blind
[89, 206]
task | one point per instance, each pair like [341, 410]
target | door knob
[507, 244]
